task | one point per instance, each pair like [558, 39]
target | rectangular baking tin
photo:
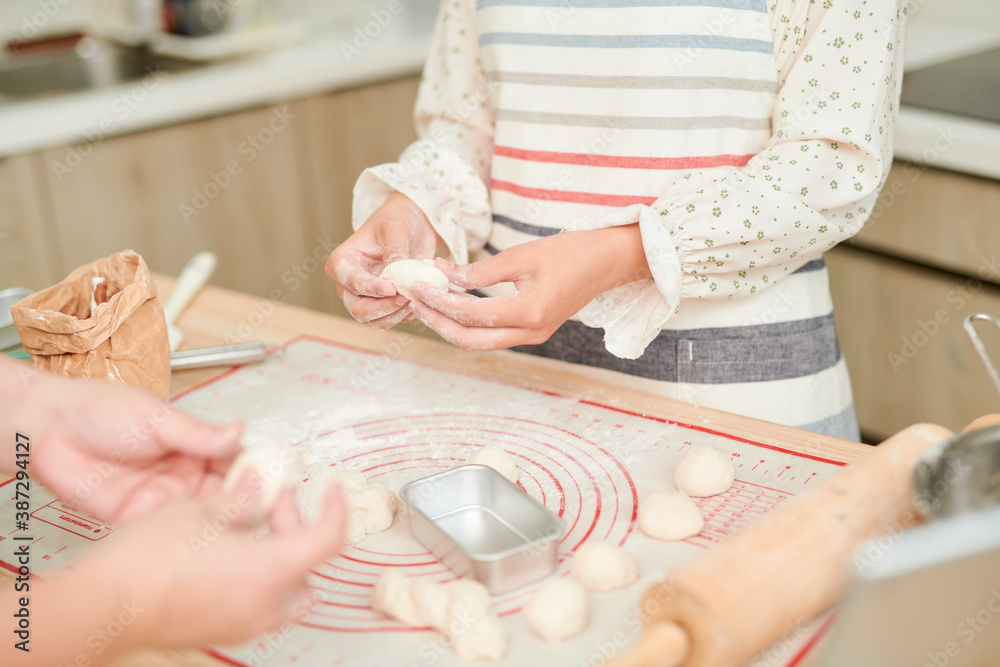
[481, 525]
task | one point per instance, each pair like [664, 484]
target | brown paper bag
[103, 321]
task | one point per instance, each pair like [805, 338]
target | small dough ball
[495, 458]
[392, 596]
[377, 506]
[670, 515]
[407, 272]
[277, 467]
[485, 639]
[558, 610]
[312, 492]
[601, 566]
[431, 600]
[467, 599]
[704, 471]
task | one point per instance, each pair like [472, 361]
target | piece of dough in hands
[669, 515]
[408, 272]
[704, 471]
[495, 458]
[601, 566]
[277, 467]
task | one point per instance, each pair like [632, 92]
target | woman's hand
[115, 451]
[397, 230]
[191, 574]
[555, 277]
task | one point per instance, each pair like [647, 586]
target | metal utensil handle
[225, 355]
[980, 348]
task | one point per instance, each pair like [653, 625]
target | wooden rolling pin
[983, 422]
[724, 607]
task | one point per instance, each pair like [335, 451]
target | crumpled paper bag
[103, 321]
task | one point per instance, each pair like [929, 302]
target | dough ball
[485, 639]
[497, 459]
[558, 610]
[312, 492]
[704, 471]
[407, 272]
[370, 508]
[468, 599]
[431, 600]
[601, 566]
[392, 596]
[277, 468]
[669, 515]
[377, 506]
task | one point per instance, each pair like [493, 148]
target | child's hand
[555, 277]
[397, 230]
[119, 452]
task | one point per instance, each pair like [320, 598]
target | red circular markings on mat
[572, 473]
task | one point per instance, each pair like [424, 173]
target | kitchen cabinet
[902, 288]
[233, 185]
[268, 190]
[29, 255]
[937, 218]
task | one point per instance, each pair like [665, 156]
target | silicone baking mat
[397, 421]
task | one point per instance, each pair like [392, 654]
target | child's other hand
[397, 230]
[555, 277]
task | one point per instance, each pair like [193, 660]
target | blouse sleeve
[445, 172]
[729, 232]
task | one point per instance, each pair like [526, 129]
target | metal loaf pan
[482, 526]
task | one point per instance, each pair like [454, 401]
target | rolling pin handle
[660, 645]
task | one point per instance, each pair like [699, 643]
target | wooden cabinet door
[29, 251]
[900, 326]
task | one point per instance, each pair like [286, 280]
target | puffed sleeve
[445, 172]
[727, 233]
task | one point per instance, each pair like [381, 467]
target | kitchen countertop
[318, 65]
[213, 311]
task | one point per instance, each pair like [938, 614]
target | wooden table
[218, 316]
